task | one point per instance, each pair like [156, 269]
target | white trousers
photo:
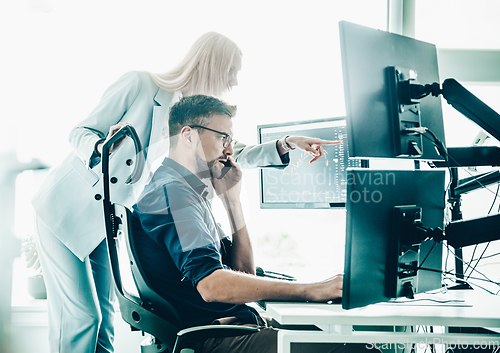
[80, 296]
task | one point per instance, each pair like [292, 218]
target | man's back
[178, 244]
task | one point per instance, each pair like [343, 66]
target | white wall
[62, 55]
[58, 63]
[58, 57]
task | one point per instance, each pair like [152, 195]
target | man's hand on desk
[326, 290]
[226, 286]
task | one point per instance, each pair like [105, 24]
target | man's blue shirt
[179, 243]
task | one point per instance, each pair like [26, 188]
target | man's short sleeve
[180, 219]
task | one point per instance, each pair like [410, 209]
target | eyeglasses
[228, 139]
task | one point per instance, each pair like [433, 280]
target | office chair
[148, 312]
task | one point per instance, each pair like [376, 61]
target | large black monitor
[321, 184]
[376, 66]
[386, 251]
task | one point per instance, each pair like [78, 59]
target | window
[65, 54]
[458, 24]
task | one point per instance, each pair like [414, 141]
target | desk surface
[467, 308]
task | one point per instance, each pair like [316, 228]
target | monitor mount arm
[459, 98]
[461, 233]
[405, 93]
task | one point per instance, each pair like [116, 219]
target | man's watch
[285, 144]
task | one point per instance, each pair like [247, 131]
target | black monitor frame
[382, 206]
[376, 65]
[392, 94]
[299, 128]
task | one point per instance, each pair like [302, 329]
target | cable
[485, 279]
[494, 200]
[426, 256]
[453, 277]
[472, 256]
[488, 244]
[440, 146]
[477, 261]
[406, 301]
[442, 150]
[446, 261]
[488, 256]
[454, 161]
[437, 143]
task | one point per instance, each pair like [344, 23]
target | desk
[475, 309]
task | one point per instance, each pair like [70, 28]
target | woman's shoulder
[138, 77]
[137, 83]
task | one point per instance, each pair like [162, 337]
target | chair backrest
[151, 299]
[149, 312]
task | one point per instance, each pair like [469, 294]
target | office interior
[61, 55]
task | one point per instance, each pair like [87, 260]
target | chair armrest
[210, 331]
[193, 336]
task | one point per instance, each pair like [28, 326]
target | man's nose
[229, 151]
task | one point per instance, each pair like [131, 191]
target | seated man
[187, 258]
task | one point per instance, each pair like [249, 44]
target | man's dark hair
[196, 110]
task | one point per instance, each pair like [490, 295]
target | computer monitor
[321, 184]
[377, 68]
[390, 214]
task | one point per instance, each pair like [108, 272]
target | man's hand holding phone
[228, 189]
[228, 184]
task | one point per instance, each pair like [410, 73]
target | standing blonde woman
[68, 205]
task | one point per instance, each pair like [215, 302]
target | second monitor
[321, 184]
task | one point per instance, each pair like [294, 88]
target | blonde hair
[204, 69]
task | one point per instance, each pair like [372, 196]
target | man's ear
[187, 134]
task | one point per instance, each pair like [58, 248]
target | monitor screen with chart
[301, 184]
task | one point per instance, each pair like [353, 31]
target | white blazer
[69, 201]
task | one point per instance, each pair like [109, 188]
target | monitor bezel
[297, 205]
[370, 270]
[367, 55]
